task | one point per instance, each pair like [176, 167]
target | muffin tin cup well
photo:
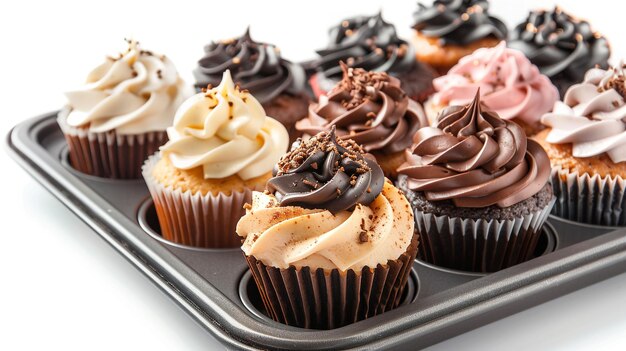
[207, 283]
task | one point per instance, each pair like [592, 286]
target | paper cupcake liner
[589, 199]
[193, 219]
[108, 154]
[479, 245]
[322, 299]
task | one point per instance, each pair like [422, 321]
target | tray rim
[595, 263]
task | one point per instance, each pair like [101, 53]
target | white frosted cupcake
[222, 146]
[118, 118]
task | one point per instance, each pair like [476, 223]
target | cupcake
[563, 47]
[479, 190]
[372, 109]
[278, 84]
[451, 29]
[370, 43]
[331, 242]
[586, 144]
[221, 147]
[118, 118]
[509, 85]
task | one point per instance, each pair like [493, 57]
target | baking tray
[215, 288]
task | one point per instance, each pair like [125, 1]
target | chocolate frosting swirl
[458, 22]
[368, 42]
[559, 44]
[325, 173]
[369, 108]
[476, 159]
[257, 67]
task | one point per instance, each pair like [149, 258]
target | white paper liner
[194, 219]
[589, 199]
[479, 245]
[108, 154]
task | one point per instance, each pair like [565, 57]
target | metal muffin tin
[216, 289]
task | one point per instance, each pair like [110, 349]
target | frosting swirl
[458, 22]
[257, 67]
[475, 159]
[560, 44]
[295, 236]
[509, 84]
[368, 42]
[369, 108]
[591, 116]
[133, 93]
[323, 172]
[225, 131]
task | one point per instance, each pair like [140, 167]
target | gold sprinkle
[349, 32]
[345, 24]
[579, 37]
[236, 60]
[465, 17]
[531, 28]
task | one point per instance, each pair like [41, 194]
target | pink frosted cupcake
[509, 85]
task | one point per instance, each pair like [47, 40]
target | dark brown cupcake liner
[589, 199]
[479, 245]
[321, 299]
[108, 154]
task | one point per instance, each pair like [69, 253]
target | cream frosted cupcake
[586, 143]
[509, 85]
[331, 242]
[118, 118]
[221, 147]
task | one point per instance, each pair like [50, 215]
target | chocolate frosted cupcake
[118, 118]
[586, 144]
[509, 85]
[222, 147]
[451, 29]
[563, 47]
[371, 43]
[331, 242]
[278, 84]
[371, 109]
[479, 190]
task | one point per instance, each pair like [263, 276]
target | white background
[64, 288]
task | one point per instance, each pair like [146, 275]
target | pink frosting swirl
[509, 84]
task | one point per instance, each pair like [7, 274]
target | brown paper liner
[197, 220]
[479, 245]
[108, 154]
[322, 299]
[589, 199]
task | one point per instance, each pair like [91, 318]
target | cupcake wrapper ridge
[108, 154]
[479, 245]
[589, 199]
[193, 219]
[322, 299]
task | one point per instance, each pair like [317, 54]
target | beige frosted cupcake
[222, 146]
[118, 118]
[331, 242]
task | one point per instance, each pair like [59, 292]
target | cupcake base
[319, 299]
[108, 154]
[194, 216]
[442, 58]
[478, 239]
[288, 109]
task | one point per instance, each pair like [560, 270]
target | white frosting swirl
[135, 93]
[591, 116]
[226, 131]
[291, 235]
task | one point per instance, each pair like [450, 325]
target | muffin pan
[216, 289]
